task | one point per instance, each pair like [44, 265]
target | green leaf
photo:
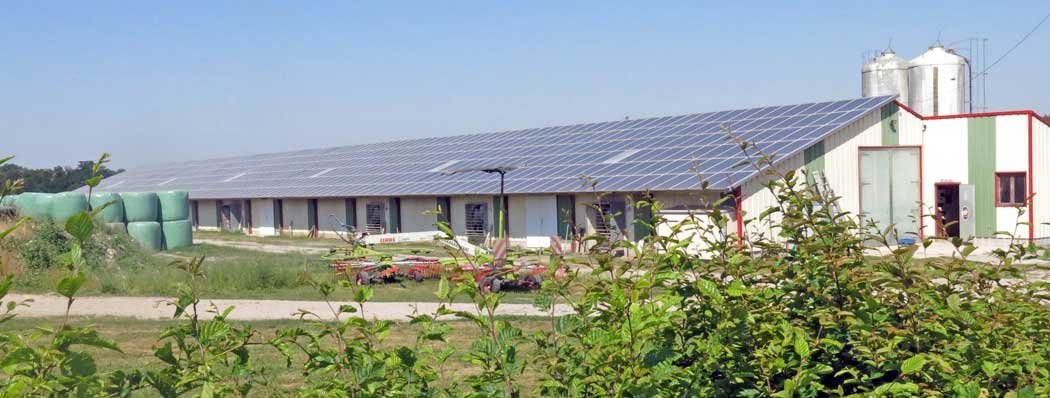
[165, 354]
[736, 289]
[69, 285]
[93, 181]
[709, 289]
[363, 294]
[954, 302]
[801, 346]
[443, 288]
[80, 226]
[913, 364]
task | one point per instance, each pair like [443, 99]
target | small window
[476, 215]
[374, 217]
[1011, 189]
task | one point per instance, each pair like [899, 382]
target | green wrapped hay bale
[9, 201]
[174, 205]
[117, 227]
[146, 233]
[67, 204]
[140, 206]
[177, 234]
[114, 213]
[34, 205]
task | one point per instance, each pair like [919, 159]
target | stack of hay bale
[156, 220]
[175, 224]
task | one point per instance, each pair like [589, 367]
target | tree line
[56, 179]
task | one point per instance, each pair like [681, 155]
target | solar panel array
[662, 154]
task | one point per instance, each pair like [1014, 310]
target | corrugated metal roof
[661, 154]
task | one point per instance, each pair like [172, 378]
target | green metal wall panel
[350, 205]
[566, 215]
[981, 167]
[278, 214]
[643, 215]
[444, 208]
[891, 119]
[498, 207]
[394, 220]
[814, 159]
[311, 214]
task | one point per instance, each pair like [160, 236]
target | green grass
[138, 339]
[230, 273]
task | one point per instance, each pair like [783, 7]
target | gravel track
[156, 308]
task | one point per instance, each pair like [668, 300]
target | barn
[886, 161]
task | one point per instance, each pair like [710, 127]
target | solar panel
[661, 153]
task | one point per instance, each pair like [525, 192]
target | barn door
[889, 190]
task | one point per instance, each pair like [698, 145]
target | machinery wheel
[495, 285]
[486, 284]
[363, 278]
[417, 276]
[533, 281]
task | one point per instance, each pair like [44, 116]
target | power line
[1018, 43]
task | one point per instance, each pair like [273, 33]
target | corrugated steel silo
[886, 74]
[936, 82]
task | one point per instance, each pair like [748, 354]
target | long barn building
[886, 162]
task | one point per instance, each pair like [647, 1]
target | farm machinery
[358, 262]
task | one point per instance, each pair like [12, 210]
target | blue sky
[152, 82]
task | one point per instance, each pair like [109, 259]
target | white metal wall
[207, 219]
[262, 217]
[295, 213]
[417, 214]
[539, 218]
[326, 208]
[842, 157]
[758, 198]
[1011, 154]
[944, 160]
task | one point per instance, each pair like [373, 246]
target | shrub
[800, 311]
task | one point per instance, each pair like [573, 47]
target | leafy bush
[42, 249]
[798, 311]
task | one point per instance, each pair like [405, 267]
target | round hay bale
[67, 204]
[146, 233]
[114, 213]
[177, 234]
[35, 205]
[174, 205]
[9, 201]
[140, 206]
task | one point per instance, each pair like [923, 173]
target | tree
[56, 179]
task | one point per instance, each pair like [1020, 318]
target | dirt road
[156, 308]
[263, 247]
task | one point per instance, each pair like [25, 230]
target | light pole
[502, 170]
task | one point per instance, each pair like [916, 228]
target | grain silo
[936, 82]
[886, 74]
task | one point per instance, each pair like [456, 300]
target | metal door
[889, 190]
[967, 226]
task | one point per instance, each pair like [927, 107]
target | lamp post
[502, 170]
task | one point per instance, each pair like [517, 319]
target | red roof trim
[1026, 112]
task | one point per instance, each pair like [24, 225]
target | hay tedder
[357, 262]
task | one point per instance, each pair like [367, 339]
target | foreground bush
[801, 312]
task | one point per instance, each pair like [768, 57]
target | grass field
[230, 273]
[138, 339]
